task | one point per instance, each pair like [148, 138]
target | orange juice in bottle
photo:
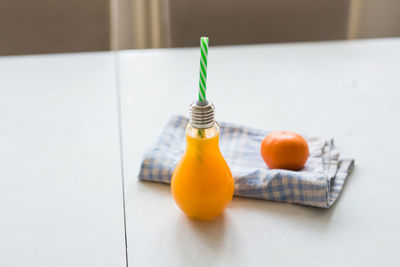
[202, 183]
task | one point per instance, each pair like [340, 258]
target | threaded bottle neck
[202, 115]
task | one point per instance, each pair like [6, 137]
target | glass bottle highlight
[202, 183]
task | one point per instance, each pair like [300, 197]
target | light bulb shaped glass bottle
[202, 183]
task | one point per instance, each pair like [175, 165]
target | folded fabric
[318, 184]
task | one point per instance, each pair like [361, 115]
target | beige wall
[52, 26]
[379, 18]
[123, 23]
[148, 18]
[255, 21]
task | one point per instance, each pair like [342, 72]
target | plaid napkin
[318, 184]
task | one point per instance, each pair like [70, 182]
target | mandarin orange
[284, 150]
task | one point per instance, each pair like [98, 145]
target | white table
[60, 175]
[349, 90]
[61, 201]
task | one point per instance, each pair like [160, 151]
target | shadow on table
[320, 217]
[244, 218]
[202, 229]
[212, 232]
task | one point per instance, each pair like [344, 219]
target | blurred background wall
[254, 21]
[376, 18]
[53, 26]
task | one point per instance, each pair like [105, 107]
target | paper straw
[203, 68]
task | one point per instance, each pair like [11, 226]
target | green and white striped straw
[203, 68]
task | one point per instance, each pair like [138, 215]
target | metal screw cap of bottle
[202, 115]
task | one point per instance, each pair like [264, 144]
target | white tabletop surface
[348, 90]
[61, 172]
[60, 175]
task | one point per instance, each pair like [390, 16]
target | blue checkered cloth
[318, 184]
